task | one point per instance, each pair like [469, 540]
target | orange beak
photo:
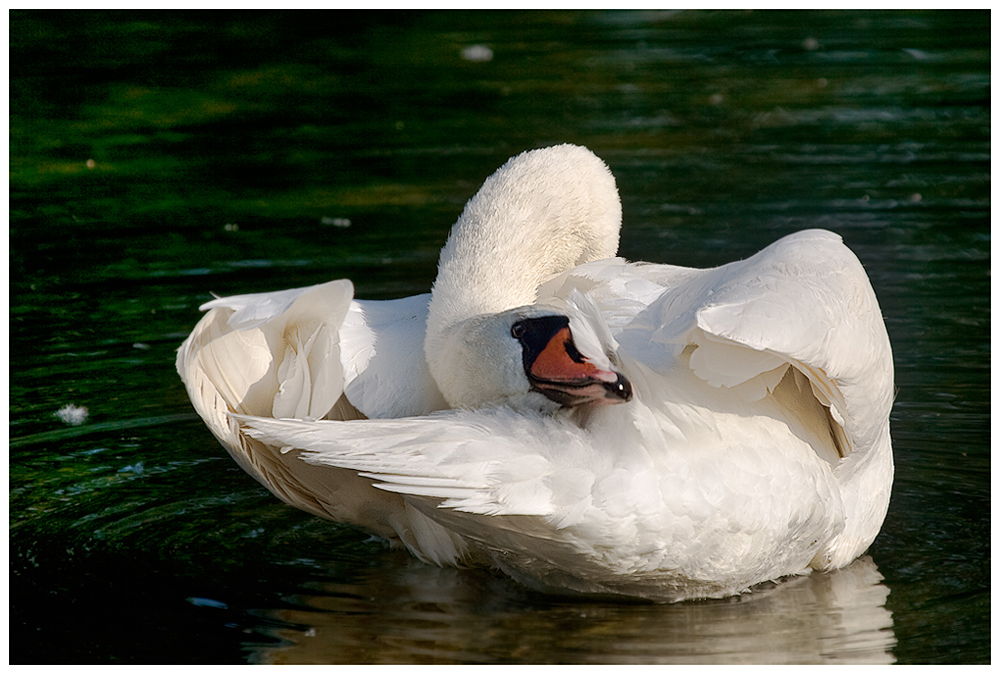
[557, 369]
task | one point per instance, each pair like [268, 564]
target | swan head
[557, 369]
[528, 356]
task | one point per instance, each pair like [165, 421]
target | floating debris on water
[921, 55]
[72, 415]
[477, 53]
[204, 601]
[336, 222]
[137, 468]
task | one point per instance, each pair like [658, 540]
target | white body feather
[756, 446]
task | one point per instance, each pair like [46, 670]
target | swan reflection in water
[420, 613]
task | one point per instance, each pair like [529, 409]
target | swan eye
[518, 330]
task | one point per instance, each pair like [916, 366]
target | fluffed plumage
[754, 442]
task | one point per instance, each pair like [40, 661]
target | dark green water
[155, 158]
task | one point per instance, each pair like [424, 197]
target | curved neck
[542, 213]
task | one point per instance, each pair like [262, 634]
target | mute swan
[582, 423]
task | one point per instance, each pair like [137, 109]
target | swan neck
[543, 213]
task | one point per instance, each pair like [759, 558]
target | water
[158, 157]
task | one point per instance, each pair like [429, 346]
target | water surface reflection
[425, 614]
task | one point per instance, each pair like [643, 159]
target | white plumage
[753, 441]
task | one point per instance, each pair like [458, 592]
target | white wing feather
[481, 462]
[383, 357]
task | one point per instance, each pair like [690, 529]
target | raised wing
[293, 353]
[804, 301]
[313, 353]
[808, 300]
[267, 354]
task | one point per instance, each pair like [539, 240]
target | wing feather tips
[254, 309]
[270, 353]
[423, 458]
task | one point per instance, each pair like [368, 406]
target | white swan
[582, 423]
